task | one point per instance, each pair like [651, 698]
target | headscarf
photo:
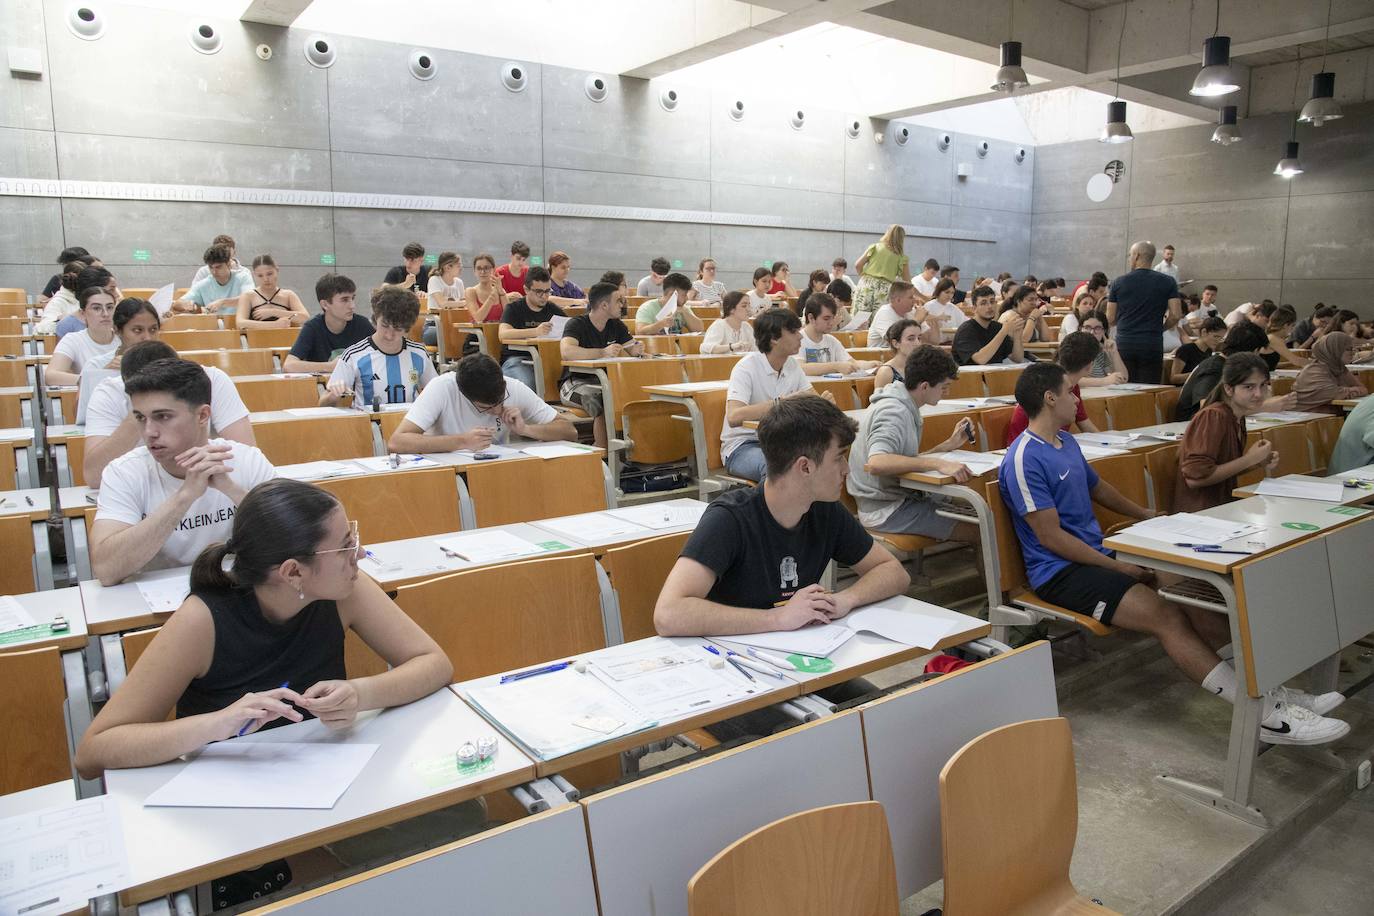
[1326, 378]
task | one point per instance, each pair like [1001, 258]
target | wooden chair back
[637, 572]
[233, 362]
[1132, 411]
[14, 374]
[629, 378]
[1096, 409]
[389, 420]
[1166, 402]
[1001, 382]
[35, 751]
[939, 427]
[659, 343]
[1322, 434]
[11, 325]
[712, 407]
[1127, 474]
[1162, 466]
[841, 389]
[821, 862]
[12, 295]
[995, 422]
[1281, 386]
[658, 430]
[689, 344]
[405, 504]
[314, 439]
[496, 618]
[14, 310]
[270, 337]
[1290, 441]
[504, 492]
[451, 337]
[68, 400]
[202, 340]
[12, 410]
[11, 345]
[16, 546]
[76, 459]
[261, 394]
[135, 644]
[190, 323]
[710, 368]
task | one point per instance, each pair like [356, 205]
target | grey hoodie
[891, 426]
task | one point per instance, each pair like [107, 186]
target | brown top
[1214, 436]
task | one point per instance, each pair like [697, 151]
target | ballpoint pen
[247, 724]
[734, 664]
[534, 672]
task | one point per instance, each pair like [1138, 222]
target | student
[781, 286]
[87, 277]
[1355, 445]
[67, 256]
[562, 290]
[113, 430]
[270, 604]
[731, 334]
[219, 291]
[595, 335]
[1280, 327]
[837, 272]
[1050, 490]
[1096, 284]
[1107, 368]
[332, 331]
[1026, 304]
[62, 303]
[756, 558]
[951, 273]
[759, 299]
[1309, 329]
[682, 321]
[267, 305]
[445, 287]
[620, 294]
[412, 273]
[901, 303]
[1323, 380]
[902, 337]
[1075, 357]
[843, 294]
[1212, 453]
[135, 320]
[1084, 304]
[164, 502]
[706, 289]
[1243, 337]
[821, 353]
[225, 241]
[944, 314]
[985, 341]
[1189, 356]
[486, 300]
[816, 283]
[889, 445]
[879, 266]
[92, 346]
[925, 281]
[526, 319]
[384, 368]
[473, 407]
[758, 382]
[1244, 311]
[652, 285]
[511, 275]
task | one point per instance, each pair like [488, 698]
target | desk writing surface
[1284, 513]
[173, 848]
[400, 562]
[37, 798]
[33, 502]
[1350, 496]
[116, 608]
[687, 389]
[600, 543]
[43, 607]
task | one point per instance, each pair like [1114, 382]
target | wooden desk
[43, 607]
[691, 396]
[116, 608]
[22, 458]
[173, 848]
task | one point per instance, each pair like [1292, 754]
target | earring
[300, 593]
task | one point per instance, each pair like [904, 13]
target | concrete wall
[1233, 222]
[140, 104]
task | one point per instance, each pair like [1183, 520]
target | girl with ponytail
[1213, 453]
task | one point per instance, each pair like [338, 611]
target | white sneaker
[1290, 724]
[1321, 704]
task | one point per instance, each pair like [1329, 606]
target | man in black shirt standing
[755, 561]
[525, 320]
[414, 273]
[595, 335]
[1141, 304]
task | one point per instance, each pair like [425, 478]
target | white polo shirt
[753, 381]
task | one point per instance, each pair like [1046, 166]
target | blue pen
[746, 662]
[251, 721]
[734, 664]
[534, 672]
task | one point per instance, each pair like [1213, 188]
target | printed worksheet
[54, 860]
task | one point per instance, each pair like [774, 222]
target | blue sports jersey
[1035, 475]
[388, 378]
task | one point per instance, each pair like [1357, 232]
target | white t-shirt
[452, 291]
[828, 350]
[443, 410]
[708, 292]
[1068, 325]
[758, 303]
[1164, 267]
[846, 278]
[134, 485]
[950, 315]
[1233, 317]
[392, 378]
[62, 304]
[83, 351]
[884, 318]
[923, 286]
[753, 381]
[109, 405]
[720, 339]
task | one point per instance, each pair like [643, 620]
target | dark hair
[263, 260]
[180, 378]
[730, 301]
[1342, 316]
[931, 264]
[1077, 351]
[778, 266]
[948, 270]
[558, 257]
[480, 379]
[396, 307]
[1045, 286]
[1243, 337]
[1285, 316]
[1008, 284]
[982, 292]
[660, 266]
[1266, 308]
[1209, 286]
[217, 254]
[520, 248]
[839, 262]
[1022, 293]
[1099, 278]
[1236, 370]
[898, 288]
[128, 309]
[483, 256]
[1324, 311]
[72, 254]
[1035, 380]
[143, 353]
[224, 240]
[600, 292]
[330, 285]
[70, 271]
[817, 303]
[413, 250]
[893, 335]
[1213, 323]
[1004, 275]
[85, 295]
[1099, 316]
[1059, 282]
[276, 521]
[91, 276]
[677, 281]
[537, 273]
[1097, 282]
[1030, 280]
[770, 325]
[613, 277]
[944, 284]
[928, 364]
[761, 272]
[801, 427]
[840, 291]
[818, 276]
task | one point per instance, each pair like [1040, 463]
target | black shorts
[1091, 590]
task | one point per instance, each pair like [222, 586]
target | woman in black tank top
[266, 305]
[259, 641]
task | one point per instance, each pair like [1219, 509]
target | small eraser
[467, 754]
[580, 667]
[486, 748]
[59, 623]
[717, 663]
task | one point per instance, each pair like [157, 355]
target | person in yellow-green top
[680, 321]
[882, 263]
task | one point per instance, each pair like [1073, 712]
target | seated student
[511, 275]
[1189, 356]
[267, 305]
[486, 301]
[135, 320]
[951, 273]
[1026, 305]
[62, 302]
[332, 331]
[92, 346]
[758, 382]
[412, 273]
[941, 308]
[88, 277]
[526, 319]
[620, 294]
[384, 368]
[1244, 311]
[473, 407]
[1280, 327]
[445, 287]
[731, 334]
[595, 335]
[925, 281]
[1355, 445]
[1085, 303]
[164, 502]
[759, 299]
[889, 445]
[843, 294]
[985, 341]
[1212, 453]
[706, 289]
[682, 320]
[54, 284]
[901, 303]
[837, 273]
[816, 283]
[1075, 357]
[270, 604]
[1108, 368]
[113, 430]
[562, 290]
[902, 339]
[218, 292]
[652, 285]
[781, 287]
[226, 241]
[1309, 329]
[1326, 378]
[1244, 337]
[1050, 490]
[756, 558]
[1344, 321]
[821, 352]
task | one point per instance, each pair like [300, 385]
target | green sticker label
[1347, 510]
[810, 664]
[446, 770]
[677, 263]
[42, 631]
[536, 260]
[142, 254]
[327, 259]
[1300, 526]
[431, 260]
[553, 545]
[768, 264]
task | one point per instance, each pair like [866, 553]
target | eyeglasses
[101, 308]
[491, 408]
[537, 291]
[354, 544]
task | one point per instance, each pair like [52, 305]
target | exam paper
[858, 322]
[686, 688]
[1105, 439]
[1191, 528]
[264, 774]
[669, 308]
[312, 411]
[54, 860]
[818, 640]
[489, 546]
[162, 299]
[501, 451]
[591, 526]
[553, 451]
[14, 616]
[403, 463]
[1286, 416]
[316, 470]
[660, 515]
[1098, 451]
[165, 595]
[976, 462]
[1331, 491]
[558, 322]
[909, 627]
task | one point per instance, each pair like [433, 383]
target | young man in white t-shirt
[901, 303]
[925, 281]
[821, 352]
[473, 407]
[112, 430]
[166, 501]
[384, 368]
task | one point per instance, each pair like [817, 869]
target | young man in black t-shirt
[332, 331]
[756, 558]
[595, 335]
[414, 273]
[525, 320]
[983, 340]
[1189, 356]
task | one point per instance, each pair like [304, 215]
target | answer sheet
[909, 627]
[165, 595]
[14, 616]
[314, 411]
[591, 527]
[489, 546]
[1331, 491]
[318, 470]
[553, 451]
[54, 860]
[264, 774]
[1191, 528]
[660, 515]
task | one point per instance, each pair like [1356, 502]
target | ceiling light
[1289, 166]
[1227, 132]
[1322, 106]
[1010, 75]
[1117, 130]
[1217, 76]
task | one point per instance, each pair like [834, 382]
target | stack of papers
[554, 451]
[1286, 416]
[165, 595]
[1131, 386]
[976, 462]
[593, 526]
[313, 411]
[1191, 528]
[1098, 451]
[54, 860]
[14, 616]
[663, 682]
[264, 774]
[317, 470]
[489, 546]
[660, 515]
[500, 451]
[900, 619]
[1331, 491]
[1109, 440]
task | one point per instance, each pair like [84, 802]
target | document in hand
[669, 308]
[558, 323]
[976, 462]
[858, 322]
[265, 774]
